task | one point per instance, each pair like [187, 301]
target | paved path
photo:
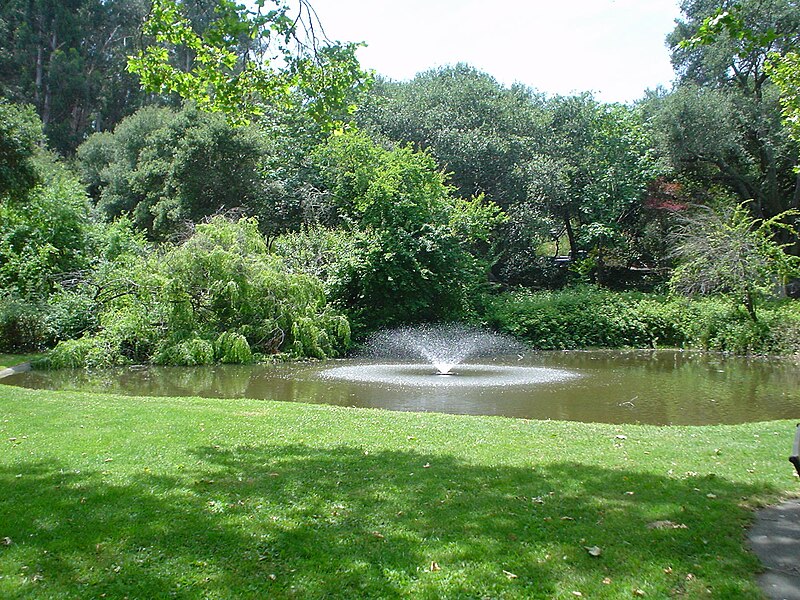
[775, 538]
[21, 368]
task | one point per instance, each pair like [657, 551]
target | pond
[651, 387]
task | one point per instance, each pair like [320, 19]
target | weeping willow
[220, 296]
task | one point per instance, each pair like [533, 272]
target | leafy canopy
[410, 263]
[219, 296]
[247, 59]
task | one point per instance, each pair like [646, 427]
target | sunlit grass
[203, 498]
[10, 360]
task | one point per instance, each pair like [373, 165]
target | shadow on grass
[296, 521]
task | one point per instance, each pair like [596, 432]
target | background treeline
[135, 228]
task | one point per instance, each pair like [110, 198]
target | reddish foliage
[665, 195]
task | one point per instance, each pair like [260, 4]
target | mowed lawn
[106, 496]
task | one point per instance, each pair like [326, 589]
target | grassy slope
[200, 498]
[10, 360]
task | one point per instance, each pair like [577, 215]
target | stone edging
[20, 368]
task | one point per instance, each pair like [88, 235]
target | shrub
[218, 296]
[590, 317]
[232, 348]
[190, 353]
[22, 325]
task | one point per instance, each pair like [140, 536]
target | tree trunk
[37, 90]
[750, 306]
[48, 95]
[573, 245]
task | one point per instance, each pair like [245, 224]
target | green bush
[232, 348]
[584, 317]
[190, 353]
[22, 325]
[88, 351]
[219, 295]
[591, 317]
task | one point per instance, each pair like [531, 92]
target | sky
[612, 48]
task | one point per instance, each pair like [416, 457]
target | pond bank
[14, 370]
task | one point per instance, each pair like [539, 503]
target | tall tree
[478, 131]
[589, 179]
[68, 58]
[169, 168]
[723, 126]
[247, 59]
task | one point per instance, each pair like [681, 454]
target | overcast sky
[613, 48]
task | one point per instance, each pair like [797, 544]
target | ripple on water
[417, 375]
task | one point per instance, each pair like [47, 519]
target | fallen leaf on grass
[666, 525]
[607, 580]
[435, 566]
[509, 574]
[594, 550]
[377, 535]
[578, 594]
[639, 593]
[7, 541]
[567, 519]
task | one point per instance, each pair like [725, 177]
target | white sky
[613, 48]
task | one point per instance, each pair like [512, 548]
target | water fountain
[448, 352]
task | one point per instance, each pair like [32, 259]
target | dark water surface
[653, 387]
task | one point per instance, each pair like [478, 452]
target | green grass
[116, 497]
[9, 360]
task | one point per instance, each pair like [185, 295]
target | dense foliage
[68, 58]
[591, 317]
[171, 168]
[409, 263]
[218, 296]
[244, 174]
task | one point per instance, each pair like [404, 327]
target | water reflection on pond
[654, 387]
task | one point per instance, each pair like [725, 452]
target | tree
[45, 234]
[590, 178]
[246, 59]
[408, 264]
[781, 63]
[728, 251]
[20, 135]
[477, 130]
[756, 158]
[68, 58]
[168, 168]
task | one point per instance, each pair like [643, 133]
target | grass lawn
[113, 497]
[9, 360]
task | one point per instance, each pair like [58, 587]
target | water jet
[448, 352]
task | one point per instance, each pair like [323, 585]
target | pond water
[652, 387]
